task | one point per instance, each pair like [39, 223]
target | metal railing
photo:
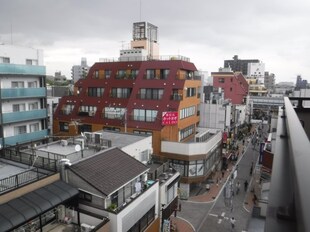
[20, 179]
[289, 204]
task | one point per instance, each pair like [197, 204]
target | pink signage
[169, 118]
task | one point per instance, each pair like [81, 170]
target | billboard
[169, 118]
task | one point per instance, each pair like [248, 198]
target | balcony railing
[176, 97]
[14, 93]
[144, 58]
[289, 203]
[149, 97]
[23, 116]
[26, 137]
[21, 179]
[22, 69]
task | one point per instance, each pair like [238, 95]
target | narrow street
[214, 214]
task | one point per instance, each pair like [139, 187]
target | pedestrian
[254, 199]
[223, 174]
[237, 187]
[246, 185]
[232, 222]
[251, 170]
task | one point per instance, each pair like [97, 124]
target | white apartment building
[23, 114]
[257, 71]
[79, 71]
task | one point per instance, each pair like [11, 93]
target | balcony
[153, 96]
[14, 93]
[23, 116]
[26, 137]
[22, 69]
[146, 189]
[176, 97]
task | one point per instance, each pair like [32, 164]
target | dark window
[63, 126]
[221, 80]
[85, 196]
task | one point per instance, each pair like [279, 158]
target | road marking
[213, 215]
[221, 218]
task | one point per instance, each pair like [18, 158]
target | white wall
[7, 105]
[257, 70]
[135, 149]
[191, 148]
[18, 54]
[6, 82]
[124, 220]
[8, 130]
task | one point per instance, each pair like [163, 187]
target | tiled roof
[109, 170]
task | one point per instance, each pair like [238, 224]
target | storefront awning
[20, 210]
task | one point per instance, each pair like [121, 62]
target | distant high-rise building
[79, 71]
[238, 65]
[23, 114]
[300, 83]
[269, 81]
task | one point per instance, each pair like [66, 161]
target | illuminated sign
[169, 118]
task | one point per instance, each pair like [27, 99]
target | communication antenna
[11, 34]
[140, 10]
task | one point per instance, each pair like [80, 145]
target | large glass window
[120, 92]
[20, 130]
[186, 132]
[187, 112]
[114, 112]
[19, 107]
[145, 115]
[150, 73]
[17, 84]
[152, 94]
[95, 92]
[34, 127]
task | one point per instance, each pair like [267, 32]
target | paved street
[206, 214]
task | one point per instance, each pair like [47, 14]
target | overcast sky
[277, 32]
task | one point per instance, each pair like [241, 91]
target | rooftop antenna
[11, 34]
[140, 11]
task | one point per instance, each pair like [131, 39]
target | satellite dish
[77, 147]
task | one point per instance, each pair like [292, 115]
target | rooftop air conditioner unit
[64, 143]
[86, 227]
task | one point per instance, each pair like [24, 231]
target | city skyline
[208, 33]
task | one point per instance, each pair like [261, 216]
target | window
[17, 84]
[5, 60]
[145, 115]
[164, 73]
[95, 92]
[64, 126]
[150, 73]
[114, 112]
[31, 62]
[120, 92]
[151, 94]
[107, 74]
[121, 74]
[142, 132]
[33, 106]
[34, 127]
[32, 84]
[186, 132]
[85, 196]
[19, 107]
[230, 89]
[18, 130]
[67, 109]
[187, 112]
[221, 80]
[191, 92]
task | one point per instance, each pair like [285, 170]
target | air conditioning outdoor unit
[91, 113]
[64, 142]
[86, 227]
